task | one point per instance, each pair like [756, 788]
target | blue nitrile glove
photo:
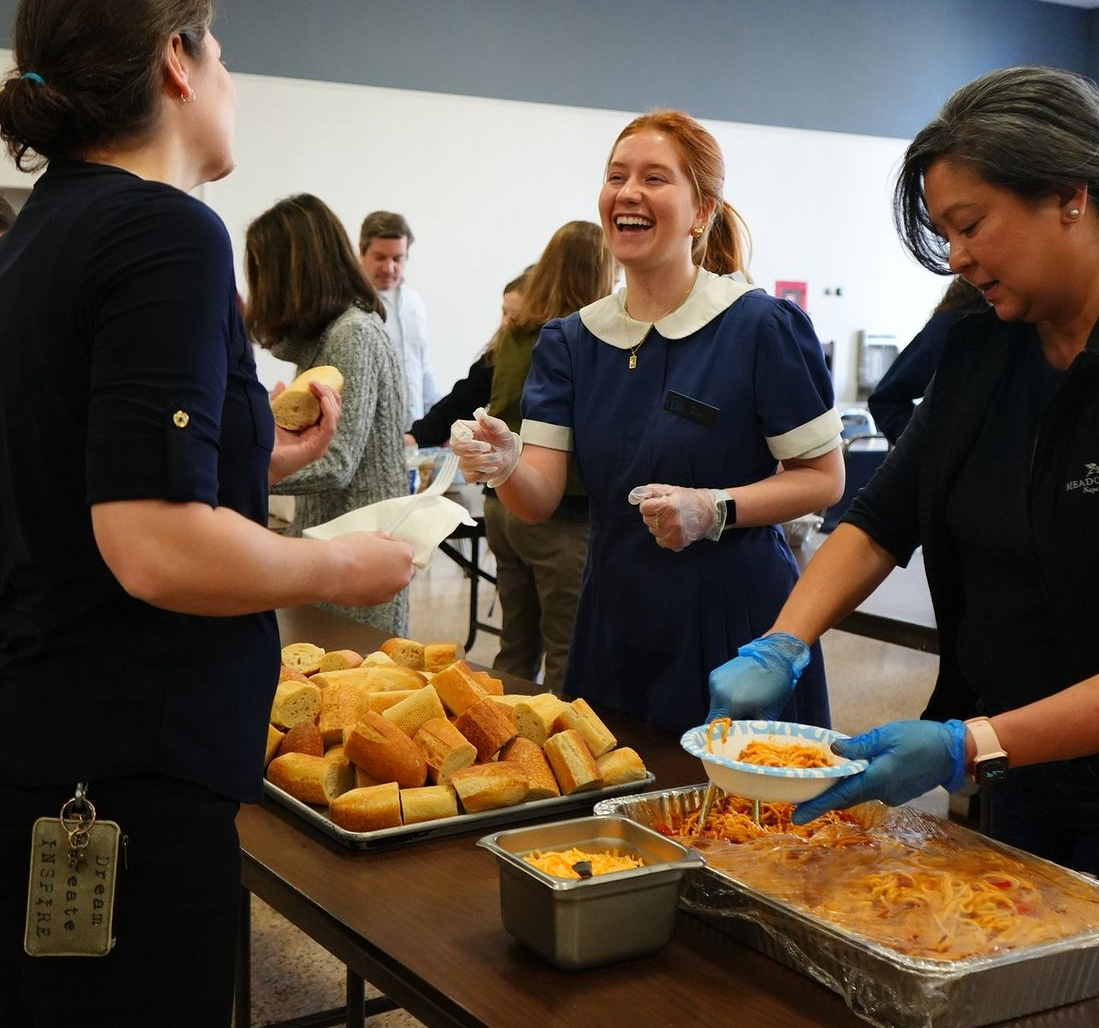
[907, 758]
[758, 681]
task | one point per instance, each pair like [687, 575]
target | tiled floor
[869, 682]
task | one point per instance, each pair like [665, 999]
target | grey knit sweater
[365, 462]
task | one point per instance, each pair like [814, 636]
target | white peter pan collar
[712, 294]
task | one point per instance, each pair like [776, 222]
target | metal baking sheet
[880, 985]
[317, 817]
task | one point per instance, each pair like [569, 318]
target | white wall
[484, 183]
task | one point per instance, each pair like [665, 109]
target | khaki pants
[538, 571]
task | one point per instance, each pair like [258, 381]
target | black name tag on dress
[690, 408]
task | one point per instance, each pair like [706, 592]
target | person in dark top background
[904, 383]
[473, 391]
[139, 651]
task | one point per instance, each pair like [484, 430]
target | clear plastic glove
[758, 681]
[907, 758]
[678, 516]
[488, 451]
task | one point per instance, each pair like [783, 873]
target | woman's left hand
[678, 516]
[907, 759]
[293, 450]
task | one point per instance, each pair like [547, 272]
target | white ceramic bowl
[770, 784]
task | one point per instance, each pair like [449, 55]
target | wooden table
[422, 923]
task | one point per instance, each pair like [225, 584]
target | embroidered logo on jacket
[1089, 483]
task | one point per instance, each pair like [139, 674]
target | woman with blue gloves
[997, 476]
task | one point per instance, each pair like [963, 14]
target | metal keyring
[81, 822]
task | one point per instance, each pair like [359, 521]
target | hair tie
[34, 77]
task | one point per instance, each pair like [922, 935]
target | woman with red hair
[699, 413]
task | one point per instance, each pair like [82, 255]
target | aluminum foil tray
[554, 806]
[883, 987]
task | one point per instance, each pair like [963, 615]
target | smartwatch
[725, 500]
[990, 763]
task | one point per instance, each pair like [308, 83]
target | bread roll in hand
[296, 407]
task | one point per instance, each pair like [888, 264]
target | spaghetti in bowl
[798, 764]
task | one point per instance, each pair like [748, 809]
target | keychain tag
[70, 897]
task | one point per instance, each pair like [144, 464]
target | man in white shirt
[383, 249]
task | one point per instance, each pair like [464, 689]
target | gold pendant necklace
[632, 362]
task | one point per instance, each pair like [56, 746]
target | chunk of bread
[535, 716]
[406, 652]
[488, 786]
[296, 407]
[428, 803]
[488, 725]
[529, 756]
[458, 687]
[340, 660]
[341, 706]
[294, 702]
[382, 701]
[439, 655]
[384, 752]
[411, 712]
[274, 737]
[573, 765]
[309, 778]
[304, 737]
[621, 766]
[288, 674]
[302, 657]
[578, 715]
[367, 809]
[444, 748]
[378, 659]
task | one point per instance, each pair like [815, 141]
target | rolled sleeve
[159, 357]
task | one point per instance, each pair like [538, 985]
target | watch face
[991, 770]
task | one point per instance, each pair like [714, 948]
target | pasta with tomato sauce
[917, 885]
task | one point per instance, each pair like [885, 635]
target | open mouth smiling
[632, 223]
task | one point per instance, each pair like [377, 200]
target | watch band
[724, 500]
[991, 761]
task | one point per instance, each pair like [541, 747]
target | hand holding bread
[295, 448]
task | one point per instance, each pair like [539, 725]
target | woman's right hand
[375, 567]
[487, 450]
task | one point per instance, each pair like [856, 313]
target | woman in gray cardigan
[310, 304]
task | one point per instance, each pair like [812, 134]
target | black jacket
[1062, 499]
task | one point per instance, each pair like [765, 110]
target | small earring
[697, 231]
[187, 99]
[1074, 213]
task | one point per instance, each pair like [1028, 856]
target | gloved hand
[488, 451]
[678, 516]
[907, 758]
[758, 681]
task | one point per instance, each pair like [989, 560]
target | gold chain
[632, 363]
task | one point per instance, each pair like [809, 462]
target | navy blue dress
[652, 623]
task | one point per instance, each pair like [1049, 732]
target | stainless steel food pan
[579, 923]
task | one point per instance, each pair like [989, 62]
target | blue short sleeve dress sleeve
[723, 389]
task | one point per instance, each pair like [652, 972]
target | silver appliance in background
[876, 352]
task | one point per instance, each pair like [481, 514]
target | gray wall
[876, 67]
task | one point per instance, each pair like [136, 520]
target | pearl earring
[1074, 213]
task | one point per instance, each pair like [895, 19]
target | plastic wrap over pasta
[916, 922]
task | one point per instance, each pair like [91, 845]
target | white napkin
[433, 518]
